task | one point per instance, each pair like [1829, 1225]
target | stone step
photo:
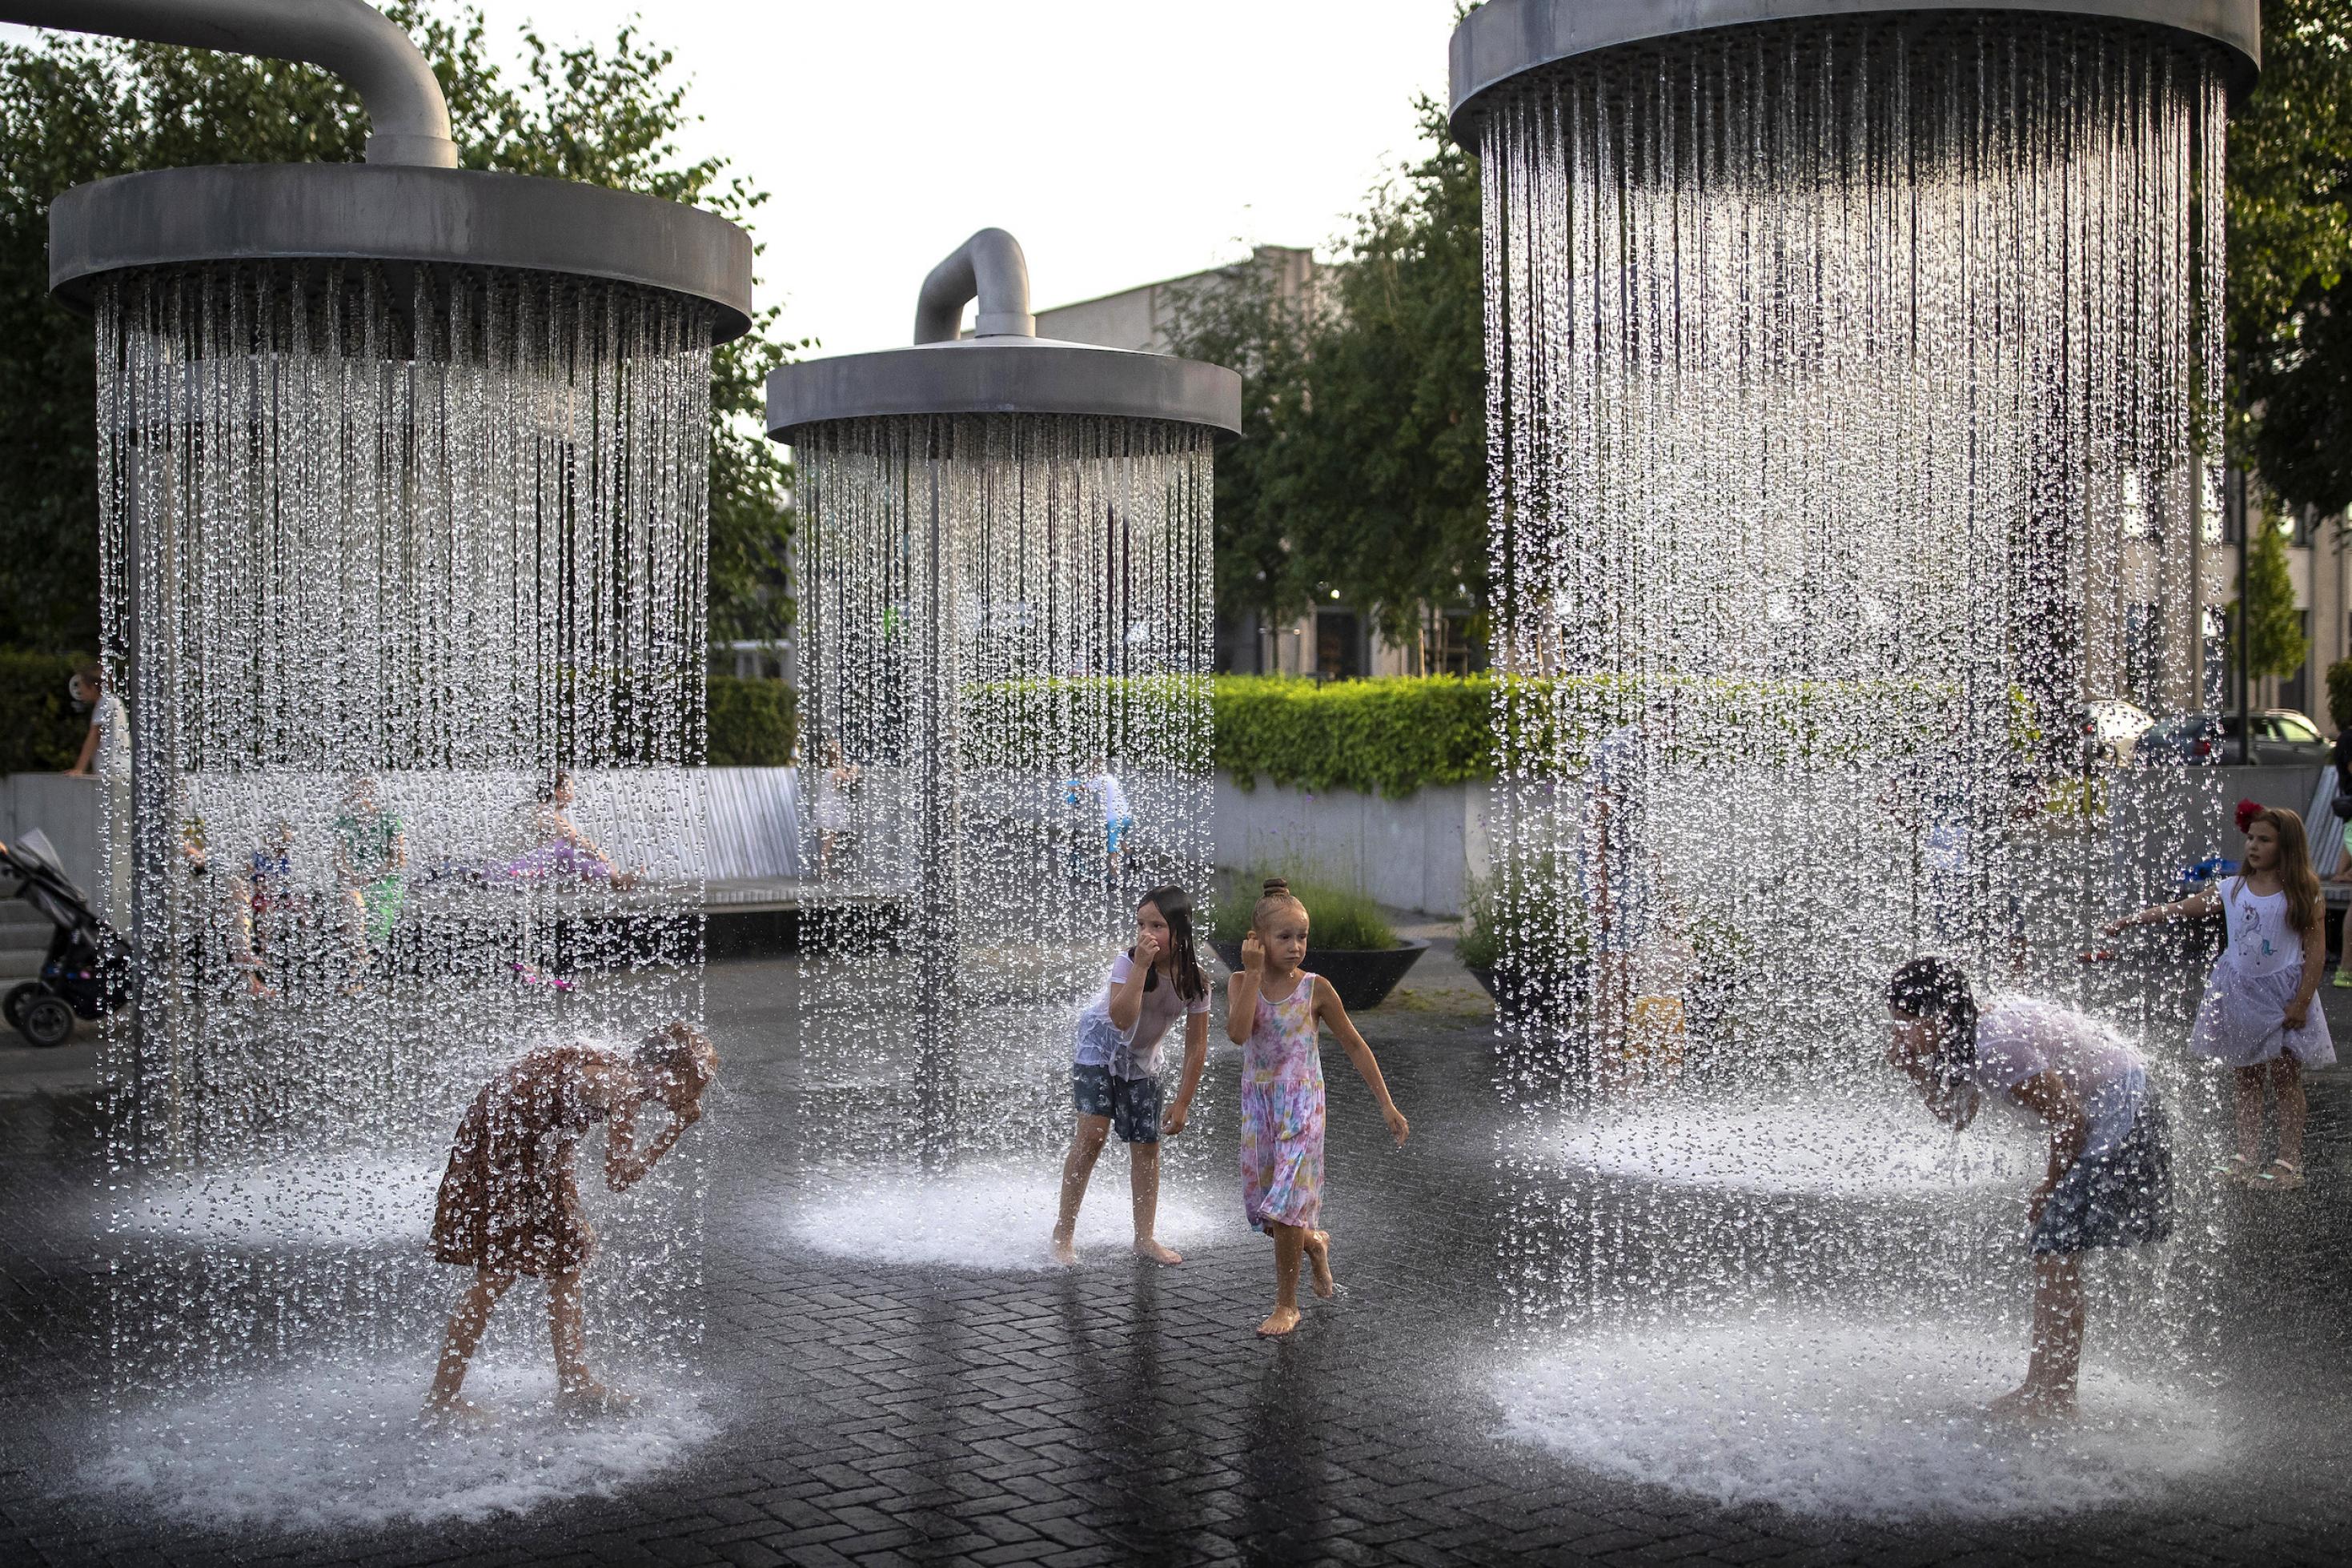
[19, 964]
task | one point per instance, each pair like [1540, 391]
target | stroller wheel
[45, 1020]
[18, 995]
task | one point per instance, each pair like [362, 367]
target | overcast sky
[1121, 141]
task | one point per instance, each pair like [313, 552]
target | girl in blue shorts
[1115, 1069]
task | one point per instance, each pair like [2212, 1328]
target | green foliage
[753, 723]
[1388, 738]
[1362, 466]
[2276, 645]
[76, 110]
[1394, 736]
[2290, 251]
[1480, 946]
[1537, 896]
[2339, 694]
[1339, 919]
[40, 729]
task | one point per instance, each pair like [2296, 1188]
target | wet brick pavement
[1123, 1414]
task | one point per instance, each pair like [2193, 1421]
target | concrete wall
[1414, 853]
[1419, 852]
[64, 808]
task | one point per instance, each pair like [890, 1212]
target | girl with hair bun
[2109, 1181]
[2259, 1016]
[1274, 1010]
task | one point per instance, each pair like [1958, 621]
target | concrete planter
[1362, 977]
[1515, 1000]
[1415, 853]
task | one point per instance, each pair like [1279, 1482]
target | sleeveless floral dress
[1282, 1111]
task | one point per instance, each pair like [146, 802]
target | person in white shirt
[1118, 822]
[106, 757]
[1115, 1067]
[2109, 1181]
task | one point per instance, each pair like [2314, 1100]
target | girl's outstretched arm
[2197, 907]
[1196, 1058]
[1241, 991]
[2047, 1096]
[624, 1165]
[1328, 1009]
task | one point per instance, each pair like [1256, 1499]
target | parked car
[2110, 729]
[2282, 738]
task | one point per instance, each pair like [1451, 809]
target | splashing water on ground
[339, 1448]
[997, 1219]
[1861, 1149]
[1820, 1414]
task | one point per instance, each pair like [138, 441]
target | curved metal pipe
[988, 267]
[408, 118]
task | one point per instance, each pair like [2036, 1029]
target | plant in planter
[1351, 943]
[1550, 962]
[1723, 965]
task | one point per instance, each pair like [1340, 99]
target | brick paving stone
[1126, 1414]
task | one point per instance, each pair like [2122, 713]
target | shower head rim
[1003, 375]
[396, 213]
[1506, 39]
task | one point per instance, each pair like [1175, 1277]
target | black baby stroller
[86, 971]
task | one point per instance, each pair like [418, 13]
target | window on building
[2294, 692]
[1339, 646]
[1453, 651]
[2144, 655]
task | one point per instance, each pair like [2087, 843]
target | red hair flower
[2247, 812]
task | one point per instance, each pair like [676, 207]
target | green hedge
[753, 723]
[1393, 737]
[1386, 737]
[39, 730]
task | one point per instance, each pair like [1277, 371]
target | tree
[2290, 247]
[1396, 455]
[1362, 463]
[2275, 641]
[78, 110]
[1241, 318]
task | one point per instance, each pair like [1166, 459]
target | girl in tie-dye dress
[1274, 1010]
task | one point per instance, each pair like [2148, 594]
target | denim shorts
[1132, 1104]
[2120, 1198]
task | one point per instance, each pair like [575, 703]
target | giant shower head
[1506, 39]
[1004, 368]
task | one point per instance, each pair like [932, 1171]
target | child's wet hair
[676, 1051]
[1274, 896]
[1937, 991]
[1175, 906]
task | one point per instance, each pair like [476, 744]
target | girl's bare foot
[2033, 1406]
[1281, 1322]
[453, 1411]
[1065, 1250]
[1318, 1257]
[1150, 1246]
[594, 1400]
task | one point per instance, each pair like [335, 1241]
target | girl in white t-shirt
[2259, 1016]
[2109, 1182]
[1115, 1067]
